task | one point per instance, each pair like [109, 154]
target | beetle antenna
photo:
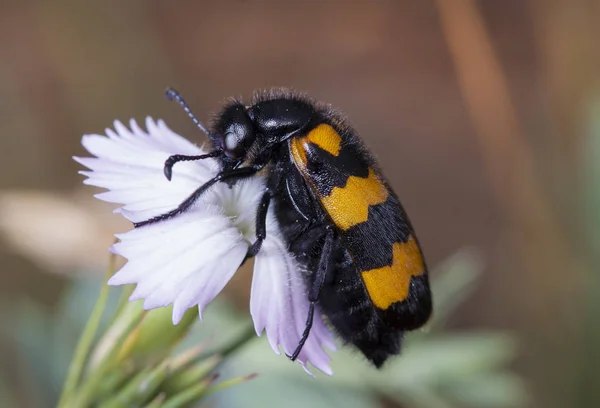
[172, 94]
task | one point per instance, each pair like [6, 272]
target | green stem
[123, 300]
[85, 341]
[229, 383]
[89, 387]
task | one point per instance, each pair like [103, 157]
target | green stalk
[90, 385]
[85, 341]
[192, 394]
[123, 300]
[230, 383]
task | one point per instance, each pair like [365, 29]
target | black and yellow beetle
[340, 217]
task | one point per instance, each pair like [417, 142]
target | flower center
[240, 203]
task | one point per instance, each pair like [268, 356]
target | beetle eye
[235, 132]
[231, 141]
[233, 148]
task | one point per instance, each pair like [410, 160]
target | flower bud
[156, 336]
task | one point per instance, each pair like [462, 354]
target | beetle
[340, 217]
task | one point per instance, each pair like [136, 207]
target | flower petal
[130, 164]
[186, 260]
[279, 303]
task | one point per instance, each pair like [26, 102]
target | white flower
[188, 259]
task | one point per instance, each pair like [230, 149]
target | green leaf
[139, 390]
[111, 382]
[190, 395]
[181, 380]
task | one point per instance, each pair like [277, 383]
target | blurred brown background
[477, 112]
